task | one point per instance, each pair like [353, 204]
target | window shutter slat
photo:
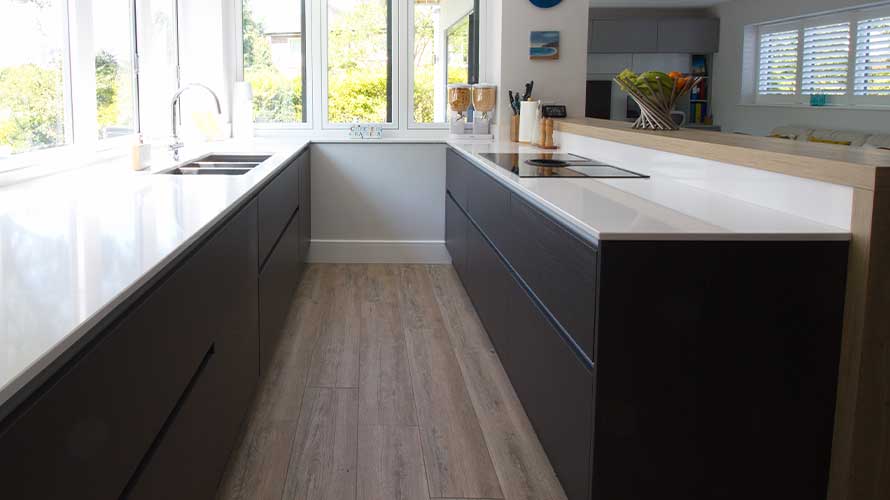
[872, 72]
[826, 59]
[777, 71]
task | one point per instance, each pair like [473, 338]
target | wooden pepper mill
[546, 135]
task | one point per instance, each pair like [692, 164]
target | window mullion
[83, 74]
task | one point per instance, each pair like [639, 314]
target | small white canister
[528, 114]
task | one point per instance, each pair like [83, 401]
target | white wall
[561, 81]
[378, 203]
[727, 71]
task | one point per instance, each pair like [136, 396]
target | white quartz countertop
[74, 246]
[662, 207]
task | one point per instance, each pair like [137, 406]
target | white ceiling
[669, 4]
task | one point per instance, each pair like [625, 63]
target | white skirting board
[378, 252]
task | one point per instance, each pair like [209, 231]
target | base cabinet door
[486, 283]
[555, 388]
[278, 280]
[305, 214]
[456, 236]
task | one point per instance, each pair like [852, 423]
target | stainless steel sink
[218, 164]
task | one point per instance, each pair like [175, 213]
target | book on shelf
[699, 65]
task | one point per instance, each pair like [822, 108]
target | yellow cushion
[784, 136]
[829, 141]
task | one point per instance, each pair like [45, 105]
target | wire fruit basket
[656, 94]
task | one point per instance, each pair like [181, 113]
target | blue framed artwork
[543, 45]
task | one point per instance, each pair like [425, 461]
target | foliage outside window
[441, 55]
[112, 45]
[32, 85]
[274, 59]
[359, 67]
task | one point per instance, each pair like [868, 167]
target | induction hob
[558, 165]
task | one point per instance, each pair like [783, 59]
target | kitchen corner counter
[76, 246]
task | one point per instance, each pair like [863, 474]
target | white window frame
[79, 92]
[851, 16]
[309, 41]
[409, 62]
[395, 28]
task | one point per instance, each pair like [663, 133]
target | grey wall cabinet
[611, 36]
[640, 35]
[688, 35]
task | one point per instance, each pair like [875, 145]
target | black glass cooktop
[558, 165]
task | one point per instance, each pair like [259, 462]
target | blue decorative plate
[545, 4]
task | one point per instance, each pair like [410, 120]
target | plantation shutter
[777, 71]
[826, 59]
[872, 77]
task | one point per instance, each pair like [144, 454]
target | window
[826, 59]
[845, 55]
[444, 52]
[113, 52]
[157, 27]
[778, 63]
[360, 65]
[873, 57]
[33, 67]
[274, 58]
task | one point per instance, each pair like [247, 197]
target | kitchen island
[863, 401]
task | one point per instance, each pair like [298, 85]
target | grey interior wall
[732, 114]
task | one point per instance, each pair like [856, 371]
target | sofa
[850, 138]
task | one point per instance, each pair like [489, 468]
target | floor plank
[324, 452]
[386, 395]
[390, 464]
[335, 360]
[456, 458]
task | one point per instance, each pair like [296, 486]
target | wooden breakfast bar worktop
[861, 447]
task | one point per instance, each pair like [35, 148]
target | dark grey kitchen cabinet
[661, 370]
[488, 203]
[278, 280]
[456, 172]
[191, 451]
[555, 387]
[85, 433]
[305, 214]
[487, 279]
[558, 266]
[456, 236]
[688, 35]
[627, 35]
[278, 201]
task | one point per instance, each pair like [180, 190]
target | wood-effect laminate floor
[385, 386]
